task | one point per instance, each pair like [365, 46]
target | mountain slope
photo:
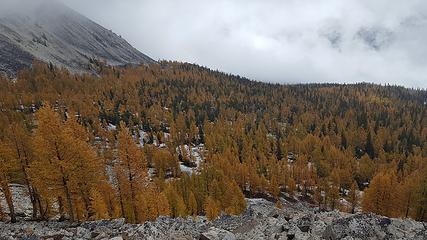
[49, 31]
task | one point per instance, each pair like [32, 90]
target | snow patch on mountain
[49, 31]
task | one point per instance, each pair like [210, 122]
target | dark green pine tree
[343, 140]
[369, 149]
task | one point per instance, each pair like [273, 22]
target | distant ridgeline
[49, 31]
[112, 146]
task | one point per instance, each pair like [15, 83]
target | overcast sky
[288, 41]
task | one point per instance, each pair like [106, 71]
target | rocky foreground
[261, 220]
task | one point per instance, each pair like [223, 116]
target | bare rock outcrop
[261, 220]
[49, 31]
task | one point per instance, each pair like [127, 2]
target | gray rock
[83, 233]
[217, 234]
[318, 227]
[49, 31]
[261, 220]
[117, 238]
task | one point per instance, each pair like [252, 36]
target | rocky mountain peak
[49, 31]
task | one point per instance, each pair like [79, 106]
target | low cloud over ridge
[285, 41]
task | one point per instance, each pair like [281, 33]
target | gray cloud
[289, 41]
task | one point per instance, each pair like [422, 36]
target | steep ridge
[49, 31]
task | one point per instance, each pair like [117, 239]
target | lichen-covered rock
[217, 234]
[261, 220]
[370, 226]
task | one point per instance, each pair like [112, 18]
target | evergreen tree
[212, 209]
[380, 197]
[6, 165]
[370, 149]
[421, 195]
[233, 200]
[353, 197]
[53, 165]
[192, 205]
[131, 171]
[20, 141]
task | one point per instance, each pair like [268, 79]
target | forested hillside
[119, 144]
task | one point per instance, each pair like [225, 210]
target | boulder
[217, 234]
[83, 233]
[318, 227]
[117, 238]
[261, 221]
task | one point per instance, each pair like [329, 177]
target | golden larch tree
[131, 172]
